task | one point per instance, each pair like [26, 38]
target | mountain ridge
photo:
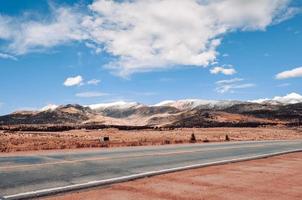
[181, 113]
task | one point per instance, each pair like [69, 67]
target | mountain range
[282, 111]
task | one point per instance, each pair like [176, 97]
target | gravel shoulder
[275, 178]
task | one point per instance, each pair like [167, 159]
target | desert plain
[15, 141]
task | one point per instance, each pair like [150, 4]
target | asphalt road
[37, 171]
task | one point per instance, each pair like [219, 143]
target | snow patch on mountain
[291, 98]
[115, 105]
[165, 103]
[49, 107]
[186, 104]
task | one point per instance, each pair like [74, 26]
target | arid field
[12, 141]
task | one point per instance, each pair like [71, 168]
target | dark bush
[227, 138]
[193, 138]
[206, 140]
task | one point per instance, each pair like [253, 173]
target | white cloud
[284, 85]
[229, 81]
[225, 71]
[27, 36]
[146, 35]
[6, 28]
[294, 73]
[97, 50]
[93, 82]
[7, 56]
[224, 86]
[79, 80]
[73, 81]
[90, 94]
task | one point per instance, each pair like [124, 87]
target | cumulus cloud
[294, 73]
[230, 85]
[147, 35]
[144, 35]
[93, 82]
[90, 94]
[7, 56]
[222, 70]
[73, 81]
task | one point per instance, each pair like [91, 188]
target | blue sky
[43, 43]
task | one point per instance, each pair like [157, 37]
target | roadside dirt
[31, 141]
[275, 178]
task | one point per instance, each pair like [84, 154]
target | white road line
[44, 192]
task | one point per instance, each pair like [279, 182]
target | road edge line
[56, 190]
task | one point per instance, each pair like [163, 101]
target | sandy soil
[29, 141]
[276, 178]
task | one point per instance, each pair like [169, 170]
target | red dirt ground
[75, 139]
[275, 178]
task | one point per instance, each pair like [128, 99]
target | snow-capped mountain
[180, 113]
[291, 98]
[49, 107]
[115, 105]
[187, 104]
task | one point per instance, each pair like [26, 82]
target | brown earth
[11, 141]
[275, 178]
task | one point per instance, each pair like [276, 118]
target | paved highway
[38, 171]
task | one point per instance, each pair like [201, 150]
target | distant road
[38, 171]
